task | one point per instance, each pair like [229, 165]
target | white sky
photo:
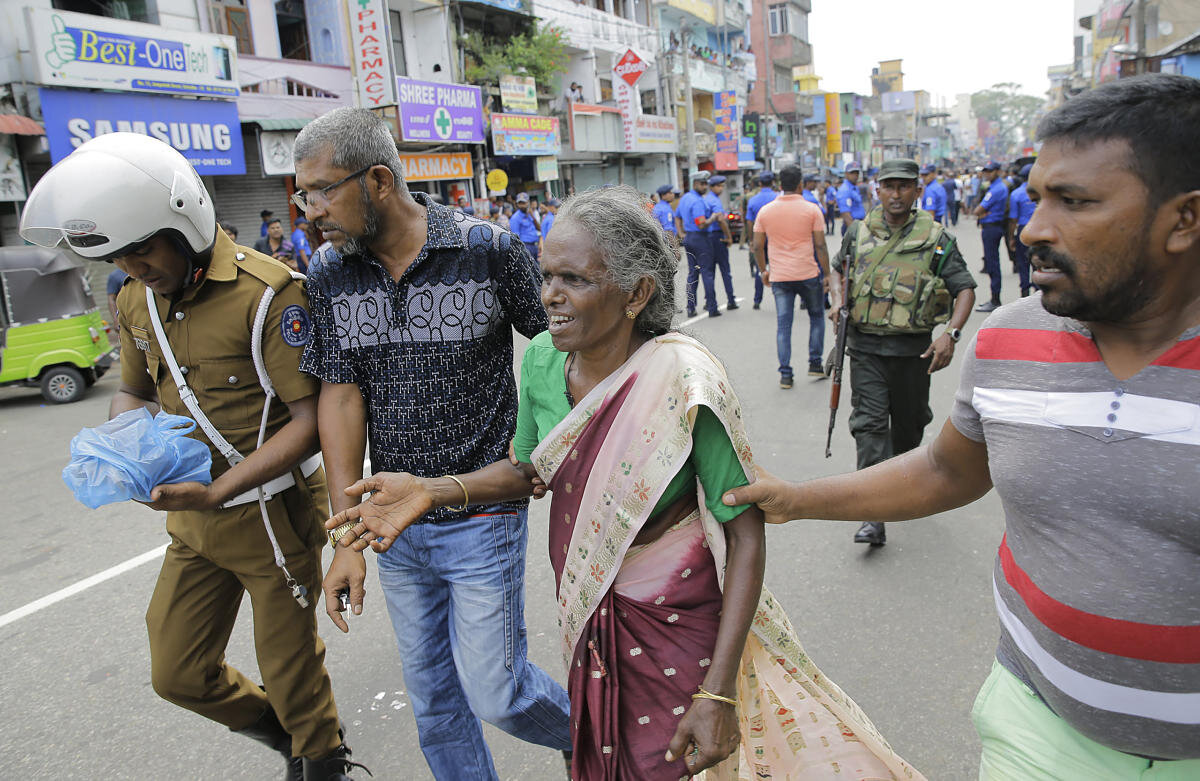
[948, 46]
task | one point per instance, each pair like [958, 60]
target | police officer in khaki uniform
[197, 314]
[904, 275]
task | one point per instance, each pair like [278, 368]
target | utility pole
[689, 119]
[1141, 36]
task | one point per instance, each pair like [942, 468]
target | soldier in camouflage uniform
[904, 275]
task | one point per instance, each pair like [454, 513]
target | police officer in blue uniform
[992, 213]
[663, 211]
[765, 195]
[849, 199]
[524, 226]
[692, 220]
[1020, 212]
[721, 236]
[933, 199]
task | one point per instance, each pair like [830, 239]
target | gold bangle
[705, 694]
[335, 535]
[466, 496]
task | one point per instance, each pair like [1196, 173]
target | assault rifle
[837, 360]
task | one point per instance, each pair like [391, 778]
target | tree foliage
[1012, 114]
[540, 53]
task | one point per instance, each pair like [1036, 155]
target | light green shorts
[1023, 740]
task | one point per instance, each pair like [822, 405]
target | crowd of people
[676, 659]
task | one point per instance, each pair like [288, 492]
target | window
[231, 18]
[777, 19]
[293, 29]
[783, 80]
[133, 10]
[397, 33]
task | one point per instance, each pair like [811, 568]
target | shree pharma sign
[96, 52]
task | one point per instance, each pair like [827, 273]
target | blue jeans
[700, 267]
[993, 234]
[812, 294]
[455, 592]
[532, 248]
[1022, 261]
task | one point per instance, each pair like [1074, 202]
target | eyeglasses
[302, 198]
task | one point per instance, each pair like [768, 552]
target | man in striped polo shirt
[1095, 382]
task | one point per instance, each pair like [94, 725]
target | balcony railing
[588, 27]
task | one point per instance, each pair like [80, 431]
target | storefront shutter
[239, 199]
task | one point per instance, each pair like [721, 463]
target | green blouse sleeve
[717, 464]
[541, 402]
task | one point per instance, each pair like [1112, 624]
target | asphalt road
[907, 630]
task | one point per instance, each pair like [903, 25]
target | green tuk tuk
[51, 332]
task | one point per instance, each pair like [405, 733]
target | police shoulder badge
[296, 327]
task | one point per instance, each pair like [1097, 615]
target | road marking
[698, 318]
[82, 585]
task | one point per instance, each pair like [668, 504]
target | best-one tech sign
[206, 132]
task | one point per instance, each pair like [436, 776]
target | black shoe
[816, 370]
[732, 306]
[757, 305]
[1025, 293]
[268, 731]
[785, 383]
[691, 313]
[871, 533]
[334, 767]
[715, 313]
[988, 306]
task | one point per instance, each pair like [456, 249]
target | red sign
[630, 67]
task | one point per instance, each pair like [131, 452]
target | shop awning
[279, 124]
[17, 125]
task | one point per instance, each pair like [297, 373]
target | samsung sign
[206, 132]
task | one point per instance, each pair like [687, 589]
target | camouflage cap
[898, 169]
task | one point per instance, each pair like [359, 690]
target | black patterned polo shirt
[432, 353]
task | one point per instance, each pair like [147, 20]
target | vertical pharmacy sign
[626, 72]
[371, 53]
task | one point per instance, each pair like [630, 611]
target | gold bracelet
[335, 535]
[466, 496]
[705, 694]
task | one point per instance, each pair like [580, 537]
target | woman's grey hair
[633, 244]
[357, 139]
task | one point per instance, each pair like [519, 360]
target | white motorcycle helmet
[115, 192]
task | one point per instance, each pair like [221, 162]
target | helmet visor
[70, 215]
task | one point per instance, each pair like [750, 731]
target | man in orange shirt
[799, 266]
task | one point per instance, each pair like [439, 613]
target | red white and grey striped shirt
[1097, 580]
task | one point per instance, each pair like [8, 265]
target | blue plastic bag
[130, 454]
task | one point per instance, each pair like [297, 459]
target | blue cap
[766, 176]
[300, 221]
[718, 179]
[928, 168]
[553, 202]
[1025, 169]
[992, 166]
[676, 191]
[853, 167]
[666, 188]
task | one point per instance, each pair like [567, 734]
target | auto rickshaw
[51, 332]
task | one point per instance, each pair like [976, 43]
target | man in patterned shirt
[412, 314]
[1080, 407]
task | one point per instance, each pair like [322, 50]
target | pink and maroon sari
[639, 623]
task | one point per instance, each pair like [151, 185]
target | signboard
[545, 169]
[655, 134]
[96, 52]
[833, 124]
[430, 168]
[523, 134]
[497, 180]
[275, 151]
[371, 53]
[12, 183]
[746, 153]
[206, 132]
[596, 128]
[438, 112]
[725, 117]
[626, 71]
[518, 94]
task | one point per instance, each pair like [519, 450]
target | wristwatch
[335, 535]
[954, 333]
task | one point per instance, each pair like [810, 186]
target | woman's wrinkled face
[586, 309]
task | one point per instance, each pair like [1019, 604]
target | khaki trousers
[212, 559]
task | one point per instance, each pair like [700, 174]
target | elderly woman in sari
[676, 656]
